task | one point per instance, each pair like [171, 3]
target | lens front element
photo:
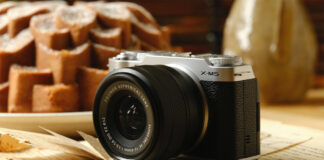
[130, 117]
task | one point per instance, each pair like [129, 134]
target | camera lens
[148, 112]
[124, 118]
[130, 117]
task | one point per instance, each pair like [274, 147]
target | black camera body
[159, 105]
[233, 131]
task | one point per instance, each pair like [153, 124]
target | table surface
[308, 113]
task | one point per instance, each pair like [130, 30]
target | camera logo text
[207, 73]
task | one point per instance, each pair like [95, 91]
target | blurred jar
[277, 38]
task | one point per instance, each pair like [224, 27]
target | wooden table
[308, 113]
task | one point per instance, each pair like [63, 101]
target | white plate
[63, 123]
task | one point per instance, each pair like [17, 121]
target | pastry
[148, 33]
[4, 87]
[112, 16]
[18, 50]
[136, 44]
[63, 63]
[89, 80]
[20, 16]
[5, 6]
[166, 35]
[89, 4]
[3, 23]
[147, 47]
[22, 80]
[52, 5]
[44, 30]
[108, 37]
[101, 54]
[65, 42]
[79, 20]
[140, 12]
[55, 98]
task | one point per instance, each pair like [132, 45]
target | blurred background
[297, 65]
[198, 25]
[283, 40]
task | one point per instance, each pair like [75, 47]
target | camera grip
[233, 128]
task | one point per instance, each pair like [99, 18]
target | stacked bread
[53, 56]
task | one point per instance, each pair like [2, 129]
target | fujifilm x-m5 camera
[158, 105]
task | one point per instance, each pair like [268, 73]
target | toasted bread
[147, 32]
[112, 16]
[108, 37]
[55, 98]
[63, 63]
[89, 80]
[101, 54]
[18, 50]
[136, 44]
[140, 12]
[20, 16]
[44, 30]
[79, 20]
[5, 6]
[3, 24]
[4, 87]
[22, 80]
[52, 5]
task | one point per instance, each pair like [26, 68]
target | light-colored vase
[277, 38]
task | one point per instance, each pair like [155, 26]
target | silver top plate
[207, 67]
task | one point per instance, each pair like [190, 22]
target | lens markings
[144, 100]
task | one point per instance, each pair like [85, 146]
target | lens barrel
[148, 112]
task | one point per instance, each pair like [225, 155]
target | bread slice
[51, 5]
[79, 20]
[112, 16]
[63, 63]
[136, 44]
[145, 26]
[44, 30]
[18, 50]
[147, 32]
[20, 16]
[5, 6]
[177, 49]
[21, 82]
[108, 37]
[90, 5]
[147, 47]
[140, 12]
[166, 34]
[55, 98]
[101, 54]
[4, 87]
[89, 80]
[3, 23]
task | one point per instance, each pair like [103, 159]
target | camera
[161, 105]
